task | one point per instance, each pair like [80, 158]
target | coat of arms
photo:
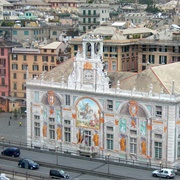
[51, 97]
[133, 108]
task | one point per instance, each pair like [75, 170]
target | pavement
[12, 132]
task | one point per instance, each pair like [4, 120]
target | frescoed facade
[78, 111]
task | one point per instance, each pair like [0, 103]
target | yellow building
[36, 61]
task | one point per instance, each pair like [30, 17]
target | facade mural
[80, 136]
[143, 128]
[96, 139]
[143, 146]
[122, 142]
[59, 132]
[122, 125]
[87, 112]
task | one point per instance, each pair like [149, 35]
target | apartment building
[35, 61]
[158, 49]
[120, 47]
[92, 15]
[5, 49]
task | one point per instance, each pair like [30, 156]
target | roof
[160, 77]
[61, 71]
[138, 30]
[118, 23]
[53, 45]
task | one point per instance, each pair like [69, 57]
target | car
[12, 151]
[176, 168]
[28, 164]
[58, 174]
[3, 177]
[166, 173]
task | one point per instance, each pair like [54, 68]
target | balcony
[89, 23]
[88, 15]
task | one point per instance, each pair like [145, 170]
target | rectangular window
[87, 138]
[23, 86]
[133, 132]
[110, 105]
[54, 33]
[114, 66]
[52, 58]
[24, 57]
[36, 96]
[35, 68]
[151, 59]
[109, 128]
[67, 122]
[14, 57]
[158, 136]
[105, 49]
[14, 32]
[35, 58]
[133, 145]
[14, 75]
[14, 67]
[68, 100]
[2, 51]
[162, 59]
[110, 141]
[67, 134]
[24, 66]
[3, 81]
[158, 150]
[26, 33]
[51, 131]
[36, 117]
[15, 86]
[37, 129]
[52, 120]
[159, 111]
[143, 58]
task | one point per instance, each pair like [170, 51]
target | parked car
[176, 168]
[58, 174]
[3, 177]
[12, 151]
[28, 164]
[166, 173]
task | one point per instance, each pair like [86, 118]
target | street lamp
[2, 139]
[160, 164]
[57, 154]
[108, 163]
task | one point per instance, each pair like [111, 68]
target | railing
[88, 15]
[136, 163]
[89, 23]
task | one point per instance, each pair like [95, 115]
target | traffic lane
[43, 171]
[90, 165]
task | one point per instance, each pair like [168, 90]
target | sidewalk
[12, 132]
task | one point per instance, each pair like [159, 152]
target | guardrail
[138, 164]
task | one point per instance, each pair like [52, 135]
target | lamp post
[57, 154]
[108, 163]
[2, 139]
[160, 164]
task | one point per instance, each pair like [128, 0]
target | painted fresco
[58, 116]
[87, 114]
[122, 142]
[122, 125]
[143, 128]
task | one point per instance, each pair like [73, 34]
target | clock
[88, 76]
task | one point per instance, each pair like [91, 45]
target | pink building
[5, 48]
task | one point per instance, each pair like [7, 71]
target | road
[79, 163]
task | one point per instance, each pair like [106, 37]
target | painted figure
[45, 130]
[96, 139]
[143, 147]
[59, 132]
[123, 144]
[133, 123]
[79, 136]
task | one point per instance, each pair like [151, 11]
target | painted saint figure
[59, 132]
[143, 147]
[123, 144]
[96, 139]
[79, 136]
[45, 130]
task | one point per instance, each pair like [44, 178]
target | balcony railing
[88, 15]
